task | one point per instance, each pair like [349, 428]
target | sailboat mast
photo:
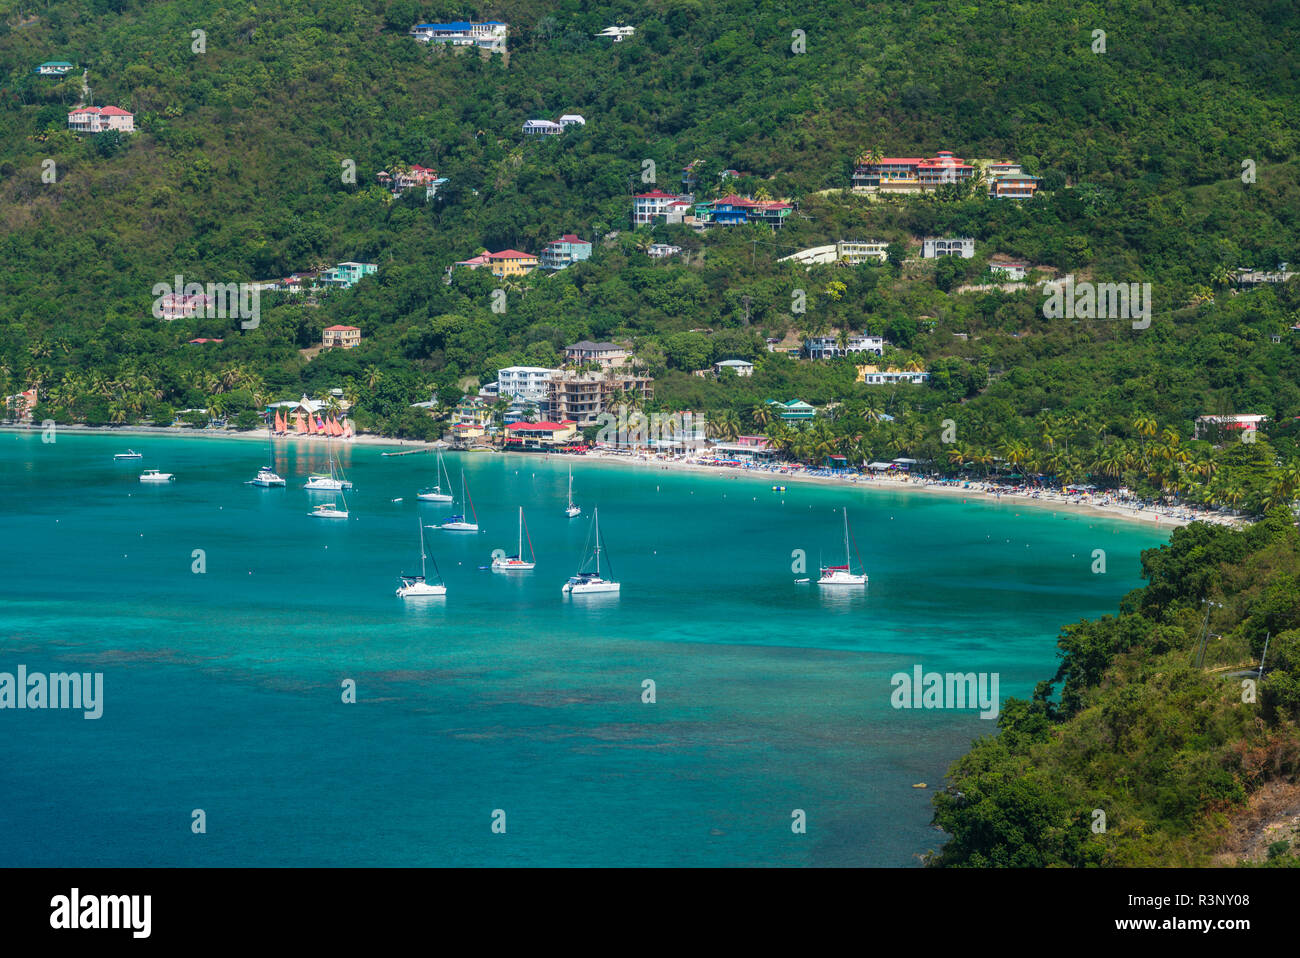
[595, 515]
[846, 538]
[521, 534]
[419, 522]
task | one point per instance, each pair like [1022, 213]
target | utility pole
[1259, 675]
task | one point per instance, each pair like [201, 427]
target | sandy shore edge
[1161, 517]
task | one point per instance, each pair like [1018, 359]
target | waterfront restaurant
[745, 449]
[540, 436]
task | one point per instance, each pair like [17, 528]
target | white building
[1010, 271]
[647, 207]
[828, 347]
[1208, 425]
[490, 36]
[741, 367]
[888, 377]
[934, 248]
[851, 252]
[542, 128]
[525, 382]
[571, 119]
[617, 33]
[660, 250]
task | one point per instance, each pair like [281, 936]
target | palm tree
[780, 436]
[727, 425]
[1144, 425]
[761, 415]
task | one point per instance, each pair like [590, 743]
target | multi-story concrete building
[605, 355]
[582, 397]
[525, 382]
[648, 207]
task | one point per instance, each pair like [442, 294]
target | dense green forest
[1143, 724]
[236, 174]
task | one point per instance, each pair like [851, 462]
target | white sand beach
[1099, 502]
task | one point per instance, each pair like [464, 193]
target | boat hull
[573, 512]
[458, 527]
[420, 591]
[843, 579]
[499, 566]
[589, 588]
[434, 497]
[327, 485]
[328, 514]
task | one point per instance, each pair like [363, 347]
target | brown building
[582, 397]
[606, 355]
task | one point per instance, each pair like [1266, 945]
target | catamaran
[434, 493]
[266, 475]
[458, 523]
[416, 586]
[843, 574]
[129, 454]
[516, 563]
[584, 582]
[571, 510]
[334, 482]
[153, 475]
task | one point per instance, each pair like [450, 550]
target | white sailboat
[843, 574]
[584, 582]
[266, 475]
[571, 510]
[435, 493]
[333, 482]
[153, 475]
[330, 510]
[458, 522]
[417, 586]
[129, 454]
[516, 563]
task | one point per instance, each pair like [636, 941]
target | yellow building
[511, 262]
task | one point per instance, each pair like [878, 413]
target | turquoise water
[222, 689]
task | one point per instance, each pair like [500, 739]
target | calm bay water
[223, 689]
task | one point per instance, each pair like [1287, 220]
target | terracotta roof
[335, 329]
[510, 254]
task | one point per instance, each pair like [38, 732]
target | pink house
[98, 119]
